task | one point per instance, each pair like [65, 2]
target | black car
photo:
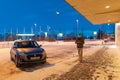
[27, 51]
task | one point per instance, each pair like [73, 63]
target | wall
[117, 34]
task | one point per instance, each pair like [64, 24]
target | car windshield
[27, 44]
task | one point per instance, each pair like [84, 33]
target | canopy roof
[98, 11]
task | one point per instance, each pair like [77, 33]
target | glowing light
[57, 12]
[107, 7]
[25, 34]
[35, 24]
[77, 20]
[109, 20]
[95, 33]
[45, 34]
[60, 35]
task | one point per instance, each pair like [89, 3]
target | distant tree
[71, 37]
[10, 37]
[0, 37]
[51, 38]
[65, 37]
[42, 37]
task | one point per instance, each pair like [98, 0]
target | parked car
[27, 51]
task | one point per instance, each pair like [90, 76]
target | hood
[30, 50]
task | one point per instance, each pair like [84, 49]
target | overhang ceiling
[98, 11]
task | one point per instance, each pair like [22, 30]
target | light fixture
[60, 35]
[46, 34]
[109, 20]
[94, 32]
[108, 24]
[77, 20]
[35, 24]
[57, 12]
[107, 7]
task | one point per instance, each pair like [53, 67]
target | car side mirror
[14, 46]
[40, 45]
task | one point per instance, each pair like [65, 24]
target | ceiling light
[107, 7]
[109, 20]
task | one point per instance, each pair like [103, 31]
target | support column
[117, 34]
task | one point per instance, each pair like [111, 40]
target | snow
[100, 62]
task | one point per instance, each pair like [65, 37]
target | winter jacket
[79, 42]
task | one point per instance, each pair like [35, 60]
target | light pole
[108, 28]
[100, 33]
[35, 28]
[24, 30]
[32, 31]
[77, 22]
[95, 33]
[11, 38]
[17, 32]
[40, 31]
[57, 26]
[48, 29]
[24, 37]
[4, 34]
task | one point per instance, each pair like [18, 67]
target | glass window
[28, 44]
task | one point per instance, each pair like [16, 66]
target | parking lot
[62, 60]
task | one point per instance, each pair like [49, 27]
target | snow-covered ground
[101, 62]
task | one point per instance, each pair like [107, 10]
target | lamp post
[24, 30]
[40, 31]
[57, 26]
[48, 29]
[35, 28]
[24, 37]
[32, 31]
[17, 32]
[108, 28]
[100, 32]
[77, 22]
[11, 38]
[95, 33]
[4, 34]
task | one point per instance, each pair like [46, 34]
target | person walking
[80, 42]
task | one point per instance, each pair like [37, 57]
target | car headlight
[21, 53]
[43, 55]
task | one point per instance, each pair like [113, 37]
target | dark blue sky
[25, 13]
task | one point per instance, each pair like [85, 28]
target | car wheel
[17, 61]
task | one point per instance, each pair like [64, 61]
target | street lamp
[32, 30]
[11, 38]
[56, 26]
[57, 12]
[17, 32]
[100, 32]
[4, 34]
[35, 27]
[46, 34]
[77, 22]
[40, 31]
[95, 33]
[48, 29]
